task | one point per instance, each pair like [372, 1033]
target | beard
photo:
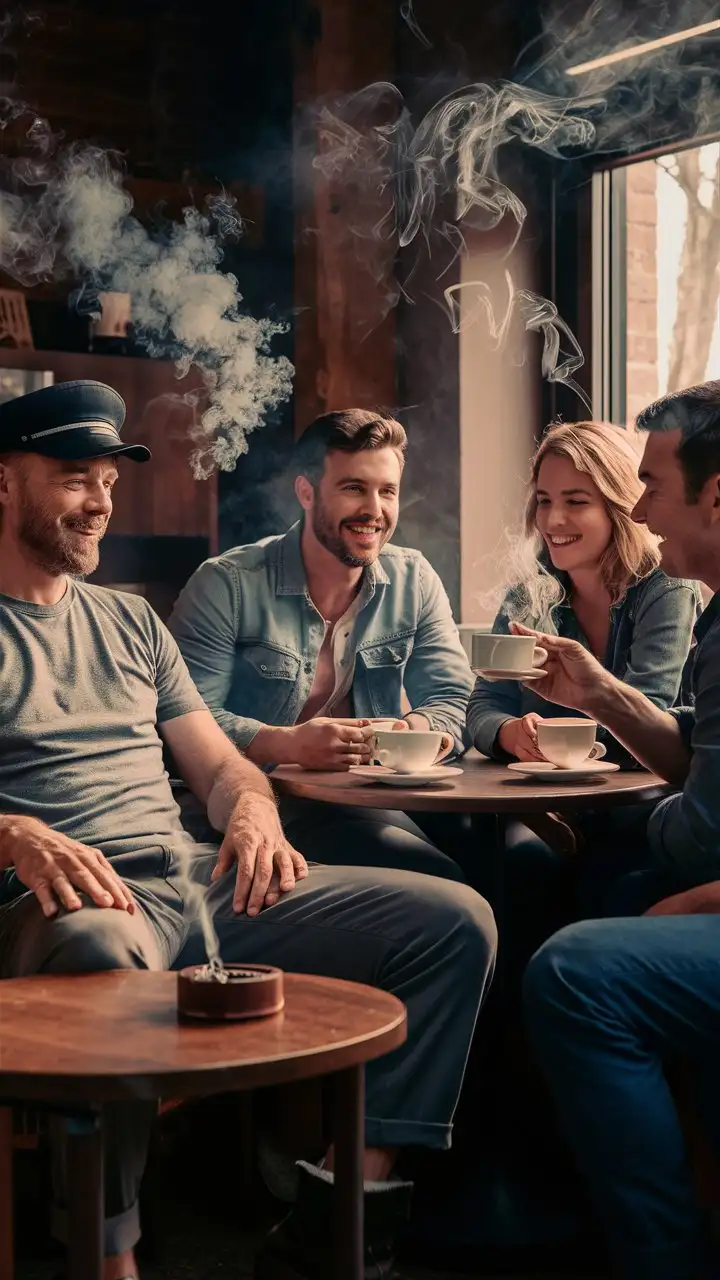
[54, 544]
[332, 540]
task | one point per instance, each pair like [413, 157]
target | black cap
[68, 420]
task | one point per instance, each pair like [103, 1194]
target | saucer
[393, 778]
[543, 771]
[497, 673]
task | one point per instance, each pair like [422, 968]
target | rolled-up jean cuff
[121, 1232]
[407, 1133]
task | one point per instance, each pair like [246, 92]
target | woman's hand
[518, 737]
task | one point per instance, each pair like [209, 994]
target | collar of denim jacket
[291, 579]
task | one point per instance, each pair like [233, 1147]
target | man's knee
[563, 970]
[458, 917]
[87, 941]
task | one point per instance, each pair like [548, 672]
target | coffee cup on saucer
[407, 752]
[496, 652]
[568, 742]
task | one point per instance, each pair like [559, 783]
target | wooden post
[345, 330]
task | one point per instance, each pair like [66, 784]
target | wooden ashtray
[249, 991]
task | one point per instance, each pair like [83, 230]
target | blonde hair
[610, 457]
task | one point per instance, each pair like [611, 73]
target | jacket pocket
[384, 669]
[264, 682]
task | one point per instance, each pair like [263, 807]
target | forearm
[272, 744]
[651, 735]
[236, 779]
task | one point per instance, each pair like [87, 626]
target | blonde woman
[585, 570]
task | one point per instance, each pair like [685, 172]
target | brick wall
[642, 343]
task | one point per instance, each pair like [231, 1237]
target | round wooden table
[74, 1043]
[483, 787]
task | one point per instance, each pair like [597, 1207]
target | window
[656, 286]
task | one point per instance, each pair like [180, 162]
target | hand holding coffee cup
[568, 742]
[493, 651]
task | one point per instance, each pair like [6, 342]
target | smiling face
[353, 510]
[690, 530]
[56, 511]
[571, 515]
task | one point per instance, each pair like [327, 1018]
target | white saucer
[495, 673]
[543, 771]
[393, 778]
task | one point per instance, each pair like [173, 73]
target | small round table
[74, 1043]
[483, 787]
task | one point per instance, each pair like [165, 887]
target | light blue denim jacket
[251, 637]
[651, 632]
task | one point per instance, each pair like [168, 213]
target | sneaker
[302, 1246]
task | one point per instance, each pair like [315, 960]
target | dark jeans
[607, 1002]
[350, 835]
[430, 942]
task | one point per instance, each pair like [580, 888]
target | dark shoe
[302, 1246]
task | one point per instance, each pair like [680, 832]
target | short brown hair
[695, 412]
[347, 431]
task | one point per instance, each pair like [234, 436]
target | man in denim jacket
[297, 641]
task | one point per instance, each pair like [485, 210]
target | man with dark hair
[610, 1001]
[97, 873]
[299, 641]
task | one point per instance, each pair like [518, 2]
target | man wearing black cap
[92, 850]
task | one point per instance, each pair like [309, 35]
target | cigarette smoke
[64, 213]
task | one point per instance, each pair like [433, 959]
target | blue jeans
[608, 1003]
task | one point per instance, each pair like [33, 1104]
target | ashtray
[231, 993]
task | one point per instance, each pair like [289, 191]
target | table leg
[7, 1220]
[85, 1195]
[349, 1133]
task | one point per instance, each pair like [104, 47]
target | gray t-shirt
[83, 687]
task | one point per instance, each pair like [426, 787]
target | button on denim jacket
[251, 638]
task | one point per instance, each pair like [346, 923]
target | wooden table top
[102, 1037]
[483, 787]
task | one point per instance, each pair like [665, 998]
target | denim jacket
[651, 630]
[251, 637]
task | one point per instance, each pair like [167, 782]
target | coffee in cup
[492, 651]
[568, 741]
[406, 752]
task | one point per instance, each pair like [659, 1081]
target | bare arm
[651, 735]
[213, 768]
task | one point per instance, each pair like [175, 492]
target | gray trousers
[430, 942]
[351, 835]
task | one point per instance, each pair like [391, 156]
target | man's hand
[704, 900]
[327, 743]
[267, 865]
[54, 867]
[574, 677]
[518, 737]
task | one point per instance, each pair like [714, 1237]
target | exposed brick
[641, 208]
[642, 177]
[641, 287]
[642, 348]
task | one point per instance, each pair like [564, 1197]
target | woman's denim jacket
[651, 631]
[251, 637]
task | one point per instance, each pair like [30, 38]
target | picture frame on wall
[18, 382]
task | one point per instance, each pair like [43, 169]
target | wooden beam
[345, 333]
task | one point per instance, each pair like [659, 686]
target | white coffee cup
[569, 742]
[380, 723]
[505, 653]
[407, 752]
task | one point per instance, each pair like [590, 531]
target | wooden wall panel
[344, 343]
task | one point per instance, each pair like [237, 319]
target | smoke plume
[64, 213]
